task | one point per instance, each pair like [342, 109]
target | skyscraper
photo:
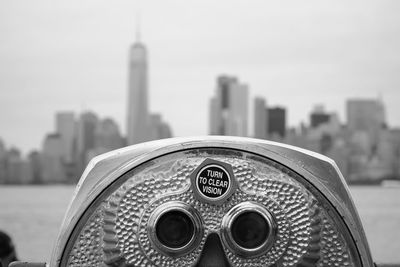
[260, 118]
[277, 121]
[52, 162]
[87, 125]
[3, 162]
[65, 127]
[107, 136]
[318, 116]
[159, 128]
[138, 114]
[229, 108]
[366, 115]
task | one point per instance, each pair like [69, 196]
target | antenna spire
[138, 18]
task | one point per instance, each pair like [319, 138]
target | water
[32, 215]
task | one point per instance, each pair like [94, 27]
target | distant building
[3, 163]
[366, 115]
[159, 128]
[318, 116]
[260, 118]
[65, 127]
[229, 108]
[388, 152]
[87, 126]
[25, 170]
[395, 140]
[17, 170]
[339, 152]
[359, 143]
[34, 159]
[363, 169]
[215, 119]
[13, 168]
[277, 122]
[324, 128]
[296, 137]
[13, 158]
[52, 163]
[13, 165]
[138, 114]
[108, 136]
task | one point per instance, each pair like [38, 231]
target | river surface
[32, 215]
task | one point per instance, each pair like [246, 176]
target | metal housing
[319, 171]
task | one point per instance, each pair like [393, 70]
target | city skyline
[365, 148]
[222, 116]
[77, 58]
[155, 120]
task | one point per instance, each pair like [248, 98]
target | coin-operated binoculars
[212, 201]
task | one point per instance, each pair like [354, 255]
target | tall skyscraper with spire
[138, 112]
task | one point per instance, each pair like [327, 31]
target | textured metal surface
[115, 234]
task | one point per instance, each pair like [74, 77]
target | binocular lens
[174, 229]
[250, 230]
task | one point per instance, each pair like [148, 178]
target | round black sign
[213, 181]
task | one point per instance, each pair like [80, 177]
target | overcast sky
[73, 55]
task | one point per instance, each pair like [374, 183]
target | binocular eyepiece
[212, 201]
[175, 229]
